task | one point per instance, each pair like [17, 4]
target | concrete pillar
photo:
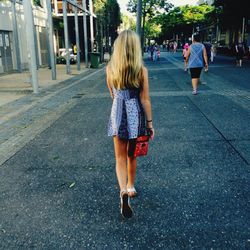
[77, 39]
[31, 43]
[16, 38]
[55, 7]
[66, 36]
[51, 40]
[85, 31]
[91, 24]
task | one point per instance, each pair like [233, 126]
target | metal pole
[85, 32]
[138, 18]
[217, 30]
[243, 29]
[77, 39]
[51, 42]
[15, 33]
[91, 24]
[31, 43]
[66, 37]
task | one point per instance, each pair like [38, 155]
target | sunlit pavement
[58, 184]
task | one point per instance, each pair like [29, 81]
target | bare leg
[195, 82]
[240, 62]
[121, 162]
[185, 65]
[121, 172]
[131, 171]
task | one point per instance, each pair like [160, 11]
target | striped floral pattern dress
[127, 119]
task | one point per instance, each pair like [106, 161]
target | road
[58, 184]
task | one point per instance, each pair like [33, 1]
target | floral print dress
[127, 119]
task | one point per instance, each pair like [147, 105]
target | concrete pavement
[16, 85]
[58, 184]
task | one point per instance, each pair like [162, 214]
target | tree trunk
[143, 27]
[143, 32]
[100, 37]
[101, 43]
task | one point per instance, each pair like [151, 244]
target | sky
[123, 3]
[183, 2]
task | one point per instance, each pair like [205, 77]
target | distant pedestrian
[149, 52]
[213, 53]
[168, 46]
[131, 115]
[208, 47]
[155, 53]
[152, 52]
[196, 57]
[185, 54]
[175, 46]
[240, 50]
[158, 54]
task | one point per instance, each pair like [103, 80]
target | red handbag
[141, 147]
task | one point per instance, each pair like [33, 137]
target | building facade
[13, 44]
[14, 54]
[57, 8]
[225, 37]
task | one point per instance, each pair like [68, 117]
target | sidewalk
[23, 114]
[16, 85]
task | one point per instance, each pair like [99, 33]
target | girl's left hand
[151, 133]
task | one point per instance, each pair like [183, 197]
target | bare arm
[108, 82]
[188, 54]
[146, 103]
[205, 57]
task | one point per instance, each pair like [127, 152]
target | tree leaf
[72, 185]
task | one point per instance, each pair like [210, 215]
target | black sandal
[126, 209]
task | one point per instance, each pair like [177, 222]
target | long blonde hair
[126, 65]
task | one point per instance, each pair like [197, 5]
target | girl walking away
[196, 57]
[131, 114]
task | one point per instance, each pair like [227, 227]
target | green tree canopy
[108, 11]
[152, 30]
[99, 6]
[128, 22]
[184, 19]
[151, 8]
[108, 18]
